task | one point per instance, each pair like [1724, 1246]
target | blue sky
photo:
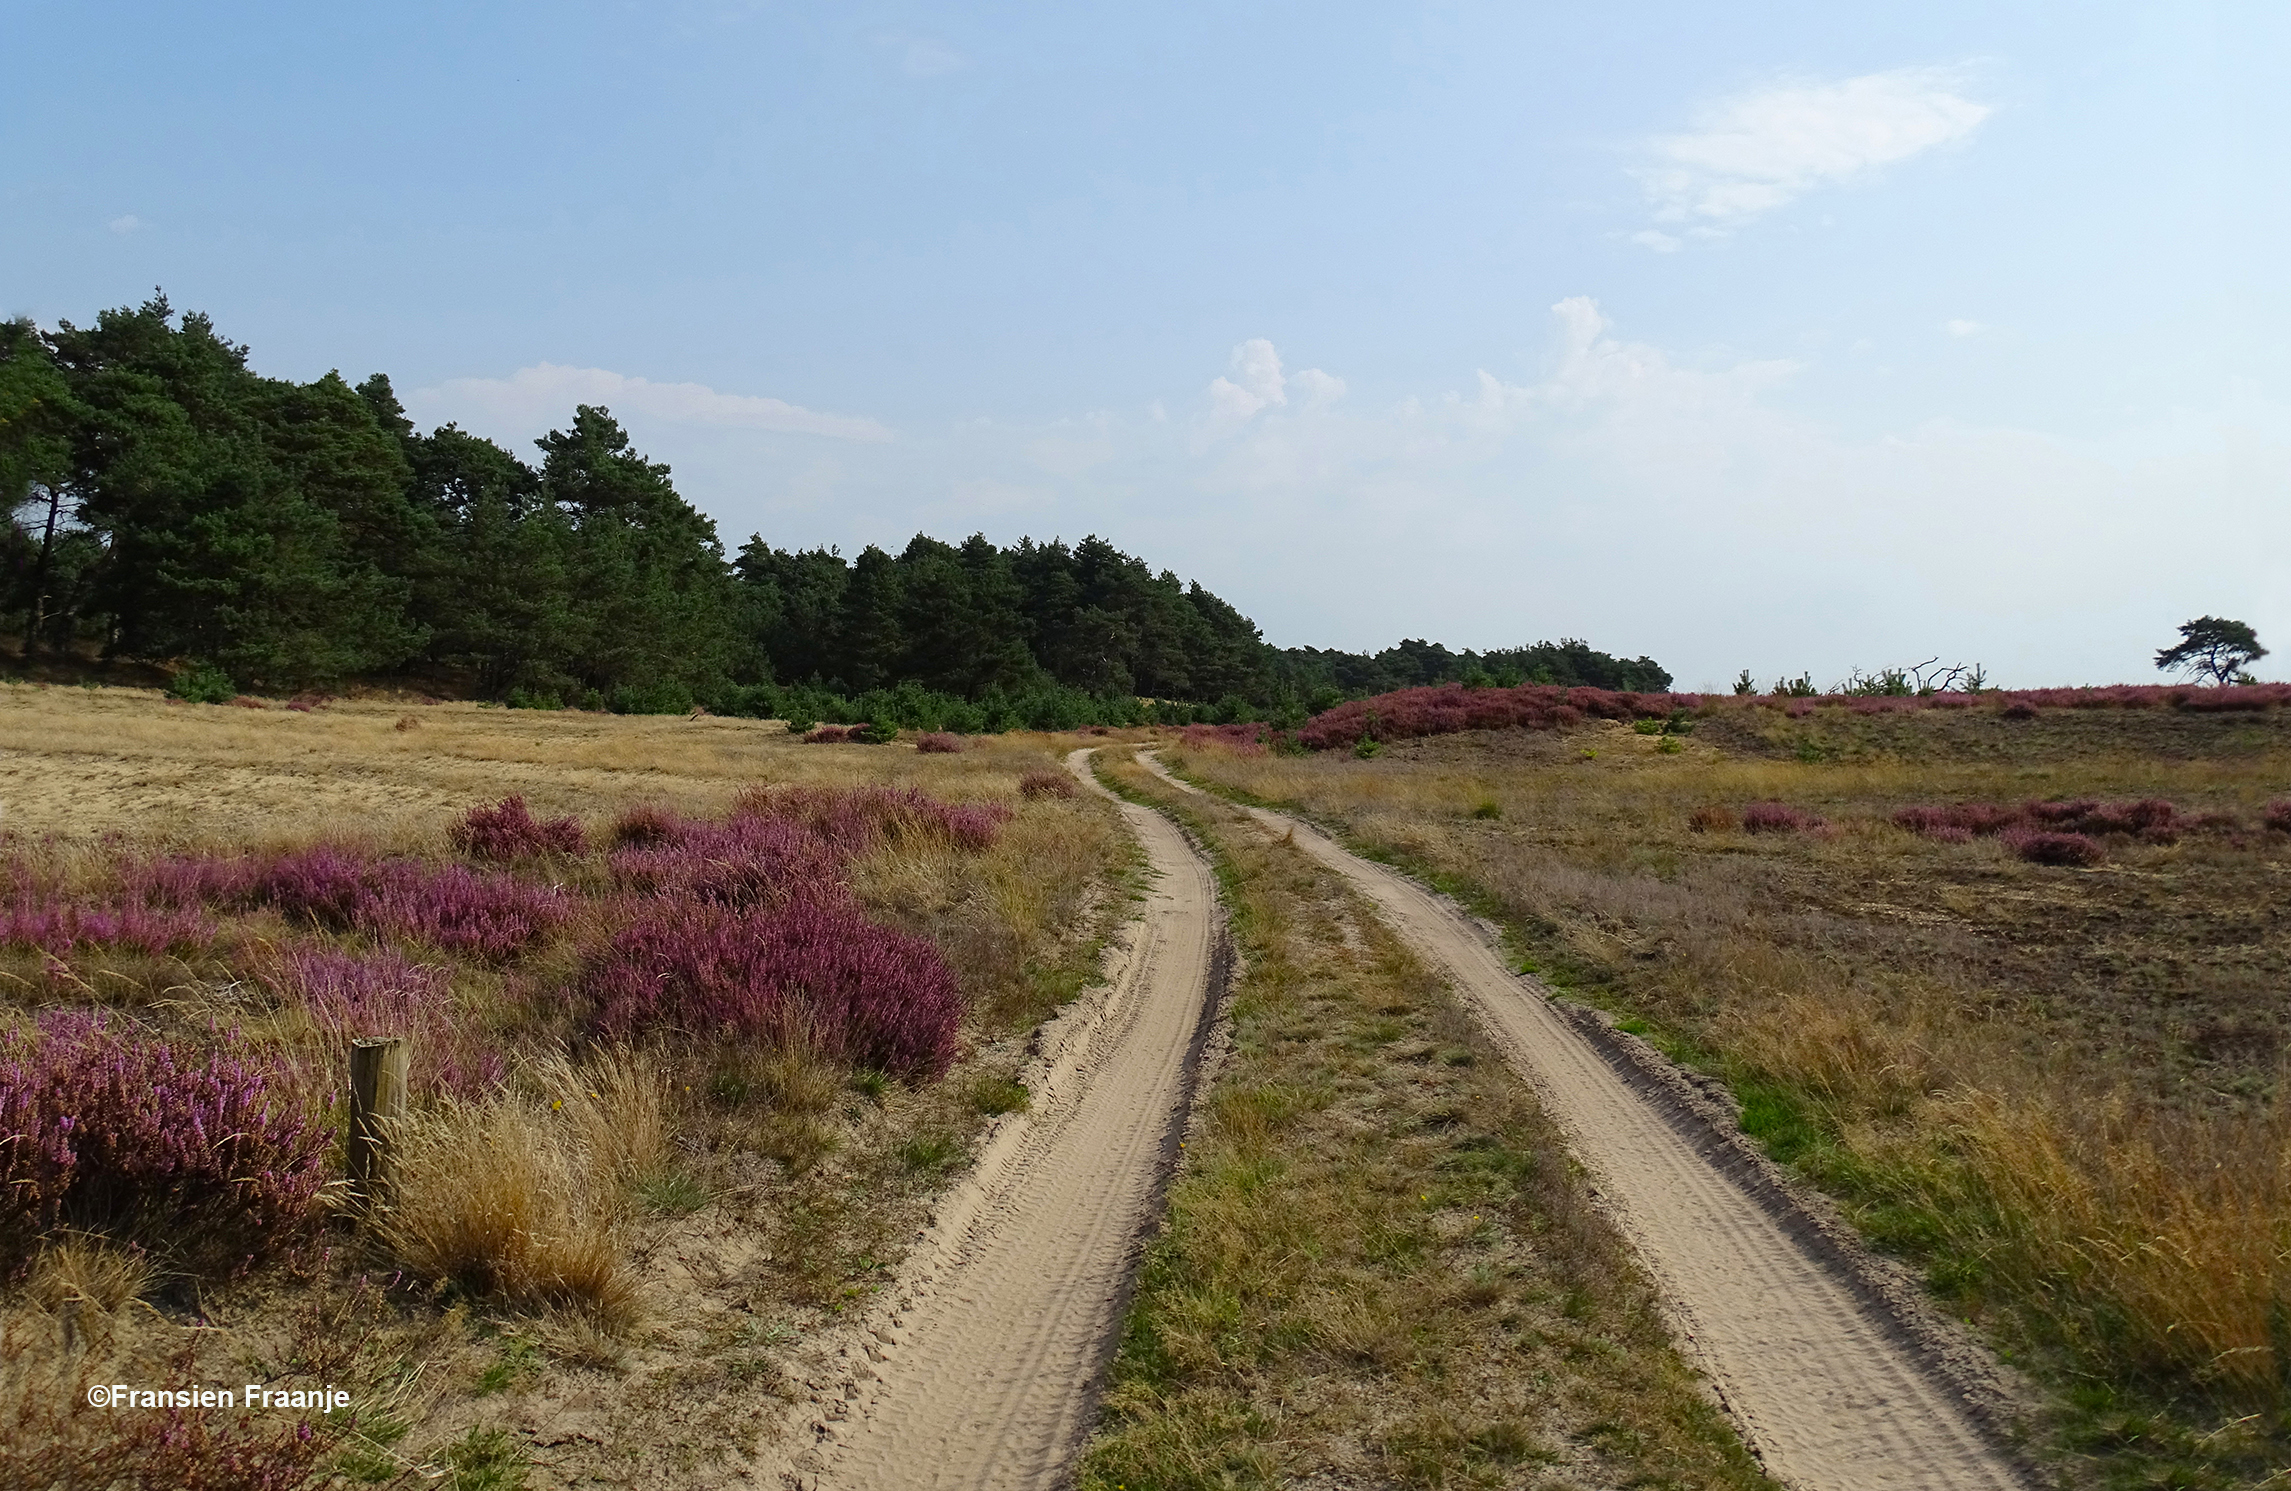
[1782, 336]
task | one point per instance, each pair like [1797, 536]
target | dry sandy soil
[977, 1369]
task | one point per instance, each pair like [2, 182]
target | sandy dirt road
[980, 1373]
[1820, 1384]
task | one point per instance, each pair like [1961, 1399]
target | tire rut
[1823, 1385]
[984, 1367]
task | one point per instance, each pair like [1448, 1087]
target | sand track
[1822, 1383]
[982, 1370]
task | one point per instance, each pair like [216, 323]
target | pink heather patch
[2053, 848]
[1776, 818]
[487, 916]
[938, 744]
[509, 831]
[1445, 709]
[816, 969]
[353, 995]
[747, 861]
[57, 929]
[2278, 816]
[213, 1155]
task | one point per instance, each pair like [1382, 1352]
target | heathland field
[2010, 984]
[699, 1027]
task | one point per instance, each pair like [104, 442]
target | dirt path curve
[983, 1368]
[1821, 1385]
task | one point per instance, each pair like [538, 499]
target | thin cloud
[1962, 328]
[126, 225]
[1754, 152]
[545, 395]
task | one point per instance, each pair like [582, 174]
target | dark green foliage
[205, 684]
[2213, 647]
[167, 502]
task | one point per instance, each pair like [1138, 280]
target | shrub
[1712, 820]
[203, 684]
[1038, 784]
[457, 909]
[881, 732]
[832, 735]
[58, 929]
[2278, 816]
[939, 743]
[2054, 848]
[749, 861]
[211, 1157]
[646, 823]
[1776, 818]
[2020, 709]
[1445, 709]
[347, 995]
[855, 820]
[508, 831]
[818, 972]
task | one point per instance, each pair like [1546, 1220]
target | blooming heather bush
[453, 907]
[646, 823]
[58, 929]
[938, 743]
[1445, 709]
[509, 831]
[349, 995]
[211, 1156]
[2054, 848]
[2151, 819]
[747, 861]
[481, 916]
[1036, 784]
[2278, 816]
[817, 970]
[855, 820]
[1776, 818]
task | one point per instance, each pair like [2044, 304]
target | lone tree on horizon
[2212, 645]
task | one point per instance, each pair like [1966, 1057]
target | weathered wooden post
[377, 1099]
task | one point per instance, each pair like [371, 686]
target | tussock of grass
[1378, 1267]
[514, 1201]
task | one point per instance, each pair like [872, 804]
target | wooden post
[377, 1099]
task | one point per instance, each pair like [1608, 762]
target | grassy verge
[1378, 1264]
[2021, 1079]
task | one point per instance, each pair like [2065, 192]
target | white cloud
[543, 397]
[1961, 328]
[126, 225]
[1757, 151]
[1258, 383]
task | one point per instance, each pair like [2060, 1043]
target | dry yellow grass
[517, 1203]
[78, 763]
[2008, 1070]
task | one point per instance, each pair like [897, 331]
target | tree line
[170, 504]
